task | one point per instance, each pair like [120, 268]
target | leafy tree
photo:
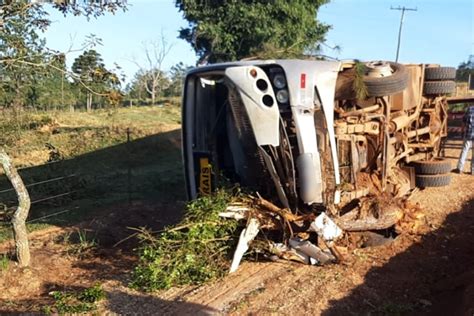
[465, 69]
[149, 84]
[24, 58]
[136, 88]
[20, 47]
[221, 30]
[92, 77]
[21, 50]
[176, 77]
[54, 89]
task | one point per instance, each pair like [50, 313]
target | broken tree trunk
[19, 218]
[389, 217]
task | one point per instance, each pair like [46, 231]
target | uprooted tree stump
[20, 233]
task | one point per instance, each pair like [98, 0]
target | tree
[54, 89]
[19, 217]
[21, 53]
[92, 77]
[87, 8]
[176, 77]
[221, 30]
[141, 86]
[465, 69]
[153, 76]
[20, 46]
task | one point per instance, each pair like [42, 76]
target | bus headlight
[282, 96]
[279, 81]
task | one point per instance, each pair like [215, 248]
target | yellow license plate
[205, 185]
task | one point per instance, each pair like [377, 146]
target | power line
[403, 9]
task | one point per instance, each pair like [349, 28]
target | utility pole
[403, 9]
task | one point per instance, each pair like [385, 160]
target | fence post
[129, 168]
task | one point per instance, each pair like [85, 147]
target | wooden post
[20, 233]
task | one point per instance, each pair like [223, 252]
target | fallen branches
[194, 251]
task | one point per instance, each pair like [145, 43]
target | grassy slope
[94, 147]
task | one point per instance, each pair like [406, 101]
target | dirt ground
[431, 273]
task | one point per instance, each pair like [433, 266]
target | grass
[73, 134]
[75, 302]
[93, 147]
[79, 243]
[4, 262]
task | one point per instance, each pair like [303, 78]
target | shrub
[194, 251]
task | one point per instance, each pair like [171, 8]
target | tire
[382, 86]
[439, 87]
[440, 73]
[438, 166]
[430, 180]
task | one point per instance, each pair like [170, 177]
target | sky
[440, 31]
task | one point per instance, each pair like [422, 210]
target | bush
[194, 251]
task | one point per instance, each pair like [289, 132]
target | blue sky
[441, 31]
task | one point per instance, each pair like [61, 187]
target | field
[98, 159]
[139, 183]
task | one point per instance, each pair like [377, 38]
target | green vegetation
[231, 30]
[465, 69]
[75, 302]
[359, 86]
[83, 245]
[194, 251]
[458, 107]
[93, 146]
[4, 262]
[35, 76]
[74, 134]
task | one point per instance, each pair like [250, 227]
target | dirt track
[416, 274]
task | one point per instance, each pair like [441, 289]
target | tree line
[31, 75]
[34, 76]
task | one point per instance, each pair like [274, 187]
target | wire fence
[65, 189]
[50, 187]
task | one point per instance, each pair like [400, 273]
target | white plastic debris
[314, 253]
[236, 212]
[288, 253]
[248, 234]
[325, 227]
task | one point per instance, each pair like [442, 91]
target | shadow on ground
[117, 302]
[434, 276]
[139, 183]
[131, 185]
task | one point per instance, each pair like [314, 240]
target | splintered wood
[315, 238]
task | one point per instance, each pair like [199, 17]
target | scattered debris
[314, 254]
[326, 228]
[319, 239]
[248, 234]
